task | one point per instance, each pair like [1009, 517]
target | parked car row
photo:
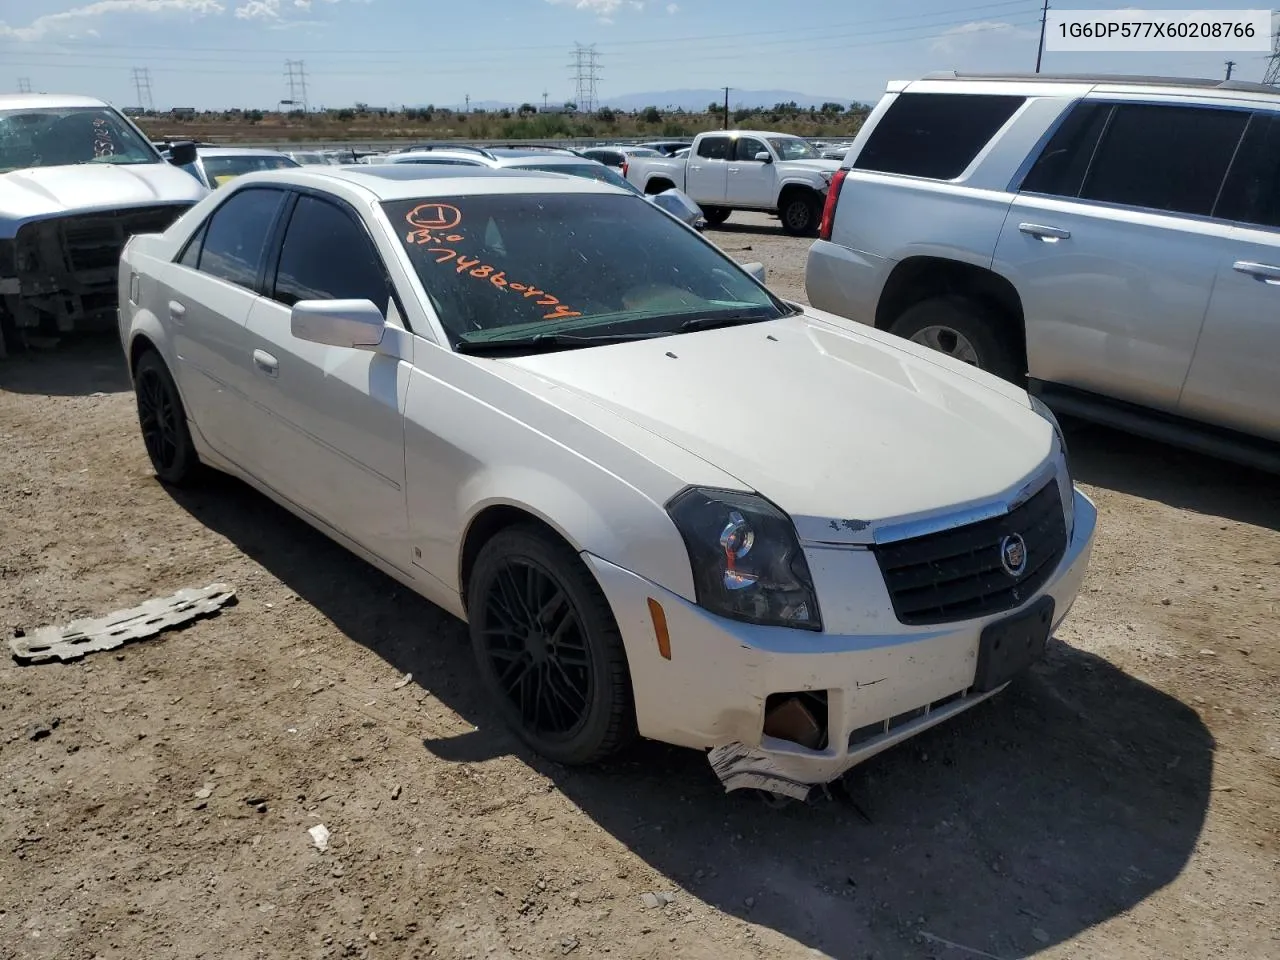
[1112, 243]
[551, 409]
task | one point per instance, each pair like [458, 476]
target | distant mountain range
[691, 100]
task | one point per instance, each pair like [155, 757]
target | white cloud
[601, 8]
[67, 21]
[951, 40]
[275, 9]
[673, 8]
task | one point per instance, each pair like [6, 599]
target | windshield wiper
[715, 322]
[550, 341]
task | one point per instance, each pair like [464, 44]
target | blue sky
[211, 53]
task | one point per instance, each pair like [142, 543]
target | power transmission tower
[295, 73]
[544, 101]
[1272, 75]
[24, 84]
[586, 76]
[142, 84]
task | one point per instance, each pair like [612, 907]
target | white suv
[1113, 240]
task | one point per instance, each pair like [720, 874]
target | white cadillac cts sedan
[666, 501]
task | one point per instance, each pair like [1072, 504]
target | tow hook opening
[799, 717]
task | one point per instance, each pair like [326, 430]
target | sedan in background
[579, 426]
[215, 166]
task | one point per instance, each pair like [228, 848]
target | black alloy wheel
[163, 421]
[548, 648]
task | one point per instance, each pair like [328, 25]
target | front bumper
[883, 681]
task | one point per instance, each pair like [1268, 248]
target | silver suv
[1115, 241]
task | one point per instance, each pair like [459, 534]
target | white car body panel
[395, 450]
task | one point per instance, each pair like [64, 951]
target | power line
[296, 75]
[923, 20]
[24, 84]
[142, 85]
[586, 76]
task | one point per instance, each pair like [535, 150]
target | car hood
[847, 430]
[38, 193]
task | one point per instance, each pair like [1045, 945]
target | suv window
[748, 147]
[714, 148]
[934, 135]
[327, 256]
[1169, 158]
[1252, 191]
[236, 236]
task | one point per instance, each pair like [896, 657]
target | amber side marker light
[659, 617]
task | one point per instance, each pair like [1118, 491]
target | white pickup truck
[745, 170]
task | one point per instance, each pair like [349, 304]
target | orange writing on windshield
[427, 218]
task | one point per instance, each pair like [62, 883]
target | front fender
[816, 184]
[618, 524]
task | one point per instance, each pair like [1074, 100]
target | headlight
[1065, 486]
[746, 558]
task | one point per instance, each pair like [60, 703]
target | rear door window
[714, 148]
[934, 135]
[1167, 158]
[235, 240]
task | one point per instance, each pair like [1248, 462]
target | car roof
[1081, 83]
[20, 101]
[408, 181]
[238, 152]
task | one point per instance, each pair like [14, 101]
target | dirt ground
[1119, 802]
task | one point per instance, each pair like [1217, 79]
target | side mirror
[338, 323]
[756, 269]
[182, 153]
[764, 156]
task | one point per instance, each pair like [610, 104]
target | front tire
[800, 213]
[963, 329]
[548, 648]
[164, 422]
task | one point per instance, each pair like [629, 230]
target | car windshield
[793, 148]
[61, 136]
[509, 267]
[588, 171]
[221, 169]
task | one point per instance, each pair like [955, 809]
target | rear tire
[548, 648]
[716, 215]
[164, 422]
[800, 214]
[963, 329]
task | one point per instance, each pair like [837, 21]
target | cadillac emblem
[1013, 555]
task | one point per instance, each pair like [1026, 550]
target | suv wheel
[800, 214]
[962, 329]
[716, 215]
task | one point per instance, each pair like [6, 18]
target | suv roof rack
[444, 145]
[1136, 79]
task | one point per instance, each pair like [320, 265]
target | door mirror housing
[182, 153]
[357, 324]
[764, 156]
[756, 269]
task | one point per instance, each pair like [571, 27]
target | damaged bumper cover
[785, 710]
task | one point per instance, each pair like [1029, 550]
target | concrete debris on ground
[81, 637]
[320, 836]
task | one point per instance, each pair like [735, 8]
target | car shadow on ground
[1060, 804]
[737, 231]
[1180, 478]
[77, 366]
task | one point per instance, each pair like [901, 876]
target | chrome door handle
[266, 363]
[1041, 232]
[177, 310]
[734, 169]
[1259, 271]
